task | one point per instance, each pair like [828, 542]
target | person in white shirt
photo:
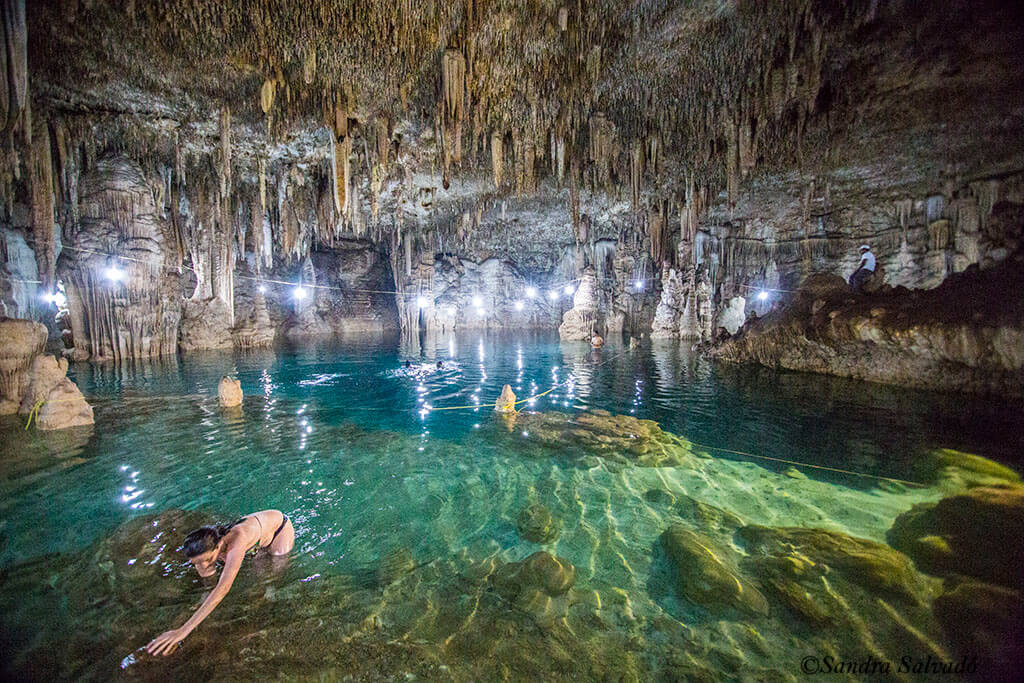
[865, 270]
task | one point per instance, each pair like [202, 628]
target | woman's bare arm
[165, 642]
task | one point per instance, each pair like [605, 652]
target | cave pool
[406, 514]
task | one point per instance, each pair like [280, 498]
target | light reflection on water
[349, 443]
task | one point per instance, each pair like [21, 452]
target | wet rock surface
[979, 533]
[21, 341]
[706, 573]
[536, 524]
[964, 335]
[620, 438]
[586, 315]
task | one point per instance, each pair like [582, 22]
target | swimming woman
[204, 547]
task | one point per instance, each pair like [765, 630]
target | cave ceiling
[448, 104]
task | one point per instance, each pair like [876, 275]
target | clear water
[337, 436]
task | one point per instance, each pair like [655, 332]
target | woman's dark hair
[204, 539]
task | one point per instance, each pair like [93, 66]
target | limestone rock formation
[536, 524]
[21, 341]
[685, 309]
[872, 566]
[229, 392]
[732, 317]
[979, 533]
[706, 573]
[506, 402]
[205, 324]
[621, 438]
[965, 335]
[119, 267]
[30, 379]
[540, 571]
[585, 317]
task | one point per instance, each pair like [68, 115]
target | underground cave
[518, 340]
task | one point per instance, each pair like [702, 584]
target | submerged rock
[984, 622]
[954, 470]
[979, 533]
[541, 571]
[229, 392]
[536, 524]
[706, 573]
[873, 566]
[622, 438]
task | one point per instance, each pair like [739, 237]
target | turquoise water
[342, 438]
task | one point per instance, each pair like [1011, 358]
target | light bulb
[519, 305]
[553, 294]
[263, 290]
[762, 295]
[300, 293]
[114, 274]
[639, 284]
[477, 301]
[531, 292]
[421, 301]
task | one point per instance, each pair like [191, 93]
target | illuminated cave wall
[404, 162]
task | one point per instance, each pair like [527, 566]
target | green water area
[643, 520]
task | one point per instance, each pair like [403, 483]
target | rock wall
[119, 268]
[965, 335]
[31, 382]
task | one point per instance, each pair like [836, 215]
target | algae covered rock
[873, 566]
[957, 470]
[506, 403]
[979, 533]
[536, 524]
[622, 438]
[706, 573]
[541, 571]
[986, 622]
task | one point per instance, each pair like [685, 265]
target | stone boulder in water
[706, 573]
[540, 571]
[874, 566]
[229, 392]
[20, 342]
[979, 533]
[617, 437]
[536, 524]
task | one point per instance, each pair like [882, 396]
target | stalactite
[15, 61]
[497, 160]
[309, 66]
[41, 185]
[636, 169]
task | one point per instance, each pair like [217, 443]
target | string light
[531, 292]
[421, 301]
[519, 305]
[639, 284]
[569, 289]
[299, 293]
[263, 289]
[762, 295]
[114, 274]
[478, 302]
[553, 295]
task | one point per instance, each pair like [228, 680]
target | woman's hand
[165, 643]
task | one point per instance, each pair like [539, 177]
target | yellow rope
[34, 413]
[817, 467]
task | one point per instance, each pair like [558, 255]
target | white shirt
[869, 261]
